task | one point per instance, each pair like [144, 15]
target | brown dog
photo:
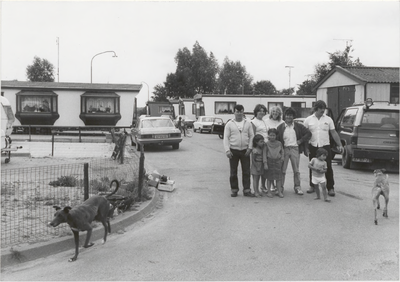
[381, 187]
[79, 218]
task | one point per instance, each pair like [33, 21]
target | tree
[337, 58]
[40, 70]
[306, 87]
[264, 87]
[195, 73]
[160, 93]
[234, 79]
[286, 91]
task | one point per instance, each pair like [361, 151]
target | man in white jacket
[238, 144]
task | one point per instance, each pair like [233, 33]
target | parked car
[156, 131]
[204, 123]
[218, 128]
[369, 133]
[188, 122]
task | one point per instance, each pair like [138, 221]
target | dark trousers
[330, 182]
[239, 155]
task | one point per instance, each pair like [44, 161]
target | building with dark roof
[70, 103]
[343, 86]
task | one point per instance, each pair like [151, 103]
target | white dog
[381, 187]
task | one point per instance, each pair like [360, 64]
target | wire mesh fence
[29, 194]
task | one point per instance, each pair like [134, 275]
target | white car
[156, 131]
[204, 123]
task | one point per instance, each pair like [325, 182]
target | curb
[40, 250]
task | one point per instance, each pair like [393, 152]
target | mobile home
[222, 106]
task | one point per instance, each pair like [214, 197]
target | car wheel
[175, 146]
[221, 136]
[346, 158]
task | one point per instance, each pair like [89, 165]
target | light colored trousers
[292, 154]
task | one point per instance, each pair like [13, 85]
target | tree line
[199, 73]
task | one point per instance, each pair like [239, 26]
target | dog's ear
[57, 208]
[67, 209]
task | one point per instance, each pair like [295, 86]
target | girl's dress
[257, 166]
[274, 154]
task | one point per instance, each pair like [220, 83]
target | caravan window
[224, 107]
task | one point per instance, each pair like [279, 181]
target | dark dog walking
[79, 218]
[381, 187]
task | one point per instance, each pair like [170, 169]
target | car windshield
[208, 119]
[383, 119]
[149, 123]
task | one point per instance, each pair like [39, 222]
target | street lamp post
[91, 62]
[290, 68]
[148, 96]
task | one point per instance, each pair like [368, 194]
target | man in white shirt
[321, 126]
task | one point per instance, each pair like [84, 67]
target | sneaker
[234, 194]
[298, 191]
[248, 194]
[331, 192]
[280, 195]
[269, 194]
[311, 190]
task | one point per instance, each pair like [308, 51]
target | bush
[66, 181]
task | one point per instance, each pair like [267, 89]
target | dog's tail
[116, 187]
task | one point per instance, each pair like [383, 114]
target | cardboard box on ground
[161, 182]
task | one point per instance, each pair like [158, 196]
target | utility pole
[58, 59]
[290, 68]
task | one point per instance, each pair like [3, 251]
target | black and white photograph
[200, 140]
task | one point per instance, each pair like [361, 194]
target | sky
[265, 36]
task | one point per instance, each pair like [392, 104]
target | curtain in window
[35, 104]
[100, 105]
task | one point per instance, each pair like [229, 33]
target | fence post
[52, 143]
[141, 172]
[85, 181]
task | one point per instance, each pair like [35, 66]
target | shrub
[66, 181]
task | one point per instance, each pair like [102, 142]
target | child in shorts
[318, 168]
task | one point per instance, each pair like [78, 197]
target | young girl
[273, 160]
[257, 167]
[318, 168]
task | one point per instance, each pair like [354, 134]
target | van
[369, 133]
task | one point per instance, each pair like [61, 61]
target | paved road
[198, 232]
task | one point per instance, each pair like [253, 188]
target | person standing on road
[180, 126]
[273, 121]
[320, 125]
[273, 159]
[294, 138]
[260, 127]
[238, 144]
[275, 117]
[318, 167]
[257, 165]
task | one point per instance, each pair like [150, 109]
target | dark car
[369, 133]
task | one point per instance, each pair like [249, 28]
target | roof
[366, 74]
[15, 84]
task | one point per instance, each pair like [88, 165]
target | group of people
[265, 144]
